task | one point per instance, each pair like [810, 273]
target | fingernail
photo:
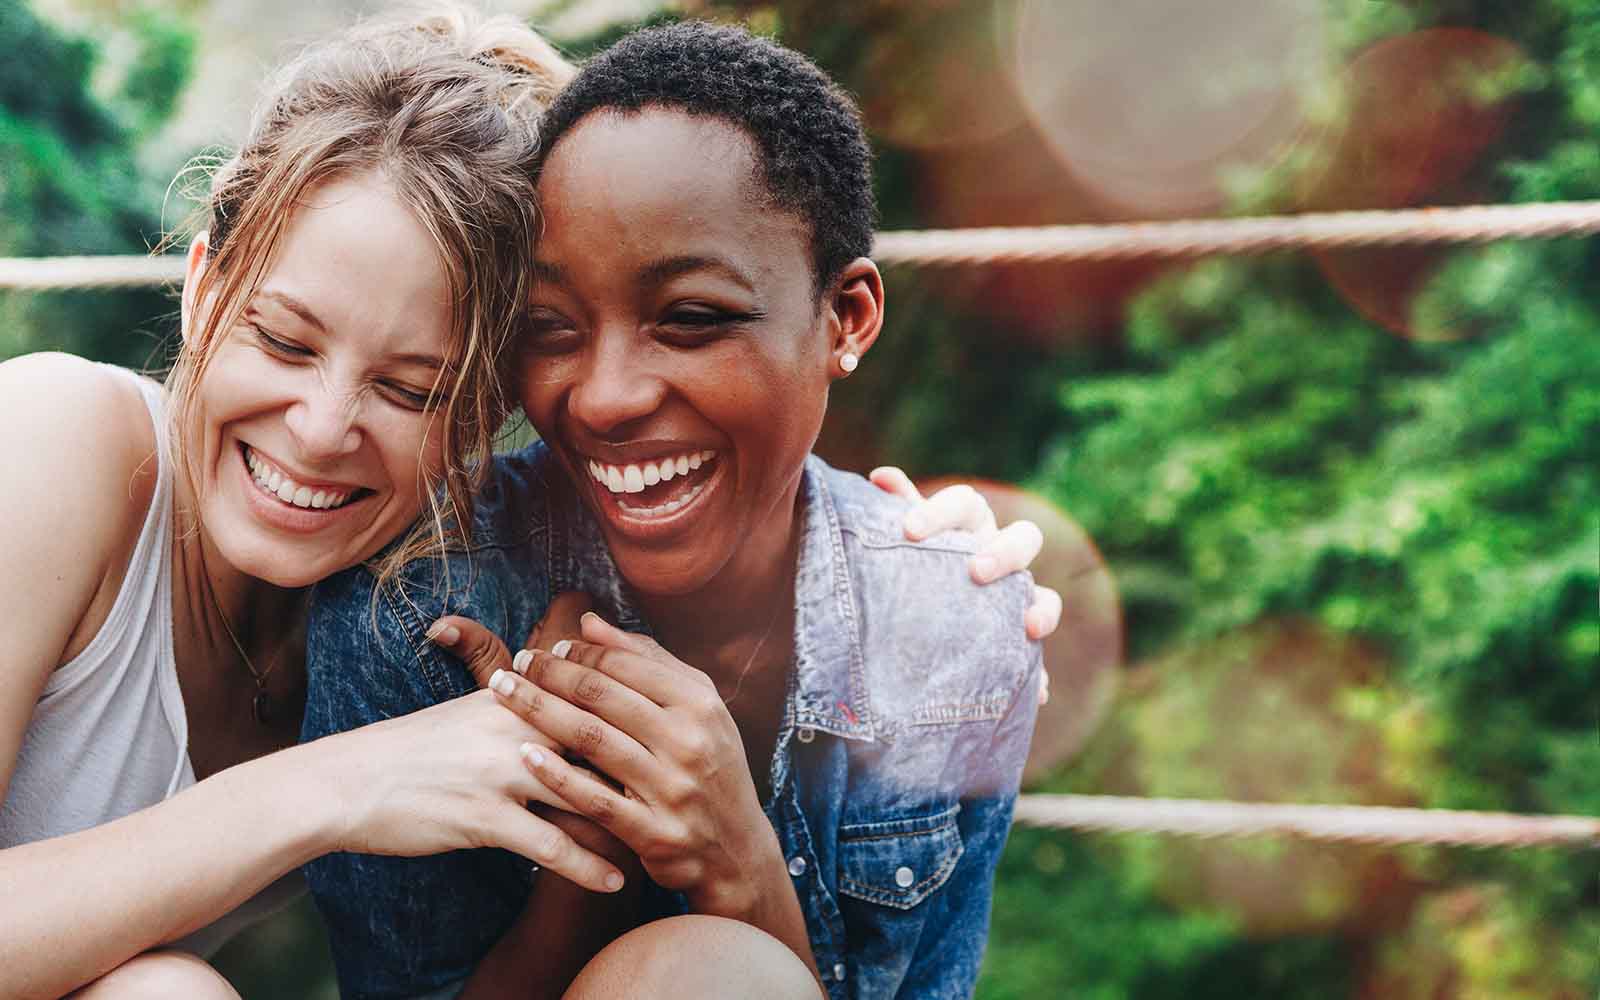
[561, 649]
[501, 681]
[522, 661]
[534, 755]
[916, 525]
[984, 567]
[613, 882]
[443, 634]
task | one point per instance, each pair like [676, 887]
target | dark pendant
[261, 708]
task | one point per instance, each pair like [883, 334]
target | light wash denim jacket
[910, 707]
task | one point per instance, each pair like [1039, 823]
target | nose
[614, 389]
[322, 422]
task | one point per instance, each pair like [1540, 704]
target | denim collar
[828, 687]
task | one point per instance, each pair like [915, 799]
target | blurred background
[1327, 524]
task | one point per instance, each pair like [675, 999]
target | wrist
[293, 794]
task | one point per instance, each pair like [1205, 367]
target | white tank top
[109, 735]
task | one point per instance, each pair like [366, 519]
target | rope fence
[1032, 245]
[1347, 824]
[1133, 241]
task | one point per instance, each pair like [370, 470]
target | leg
[695, 956]
[159, 974]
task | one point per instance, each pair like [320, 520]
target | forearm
[77, 906]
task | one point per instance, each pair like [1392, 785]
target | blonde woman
[343, 322]
[364, 268]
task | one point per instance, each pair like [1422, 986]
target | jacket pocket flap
[899, 862]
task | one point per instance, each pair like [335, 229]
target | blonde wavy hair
[442, 103]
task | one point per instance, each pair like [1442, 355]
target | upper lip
[307, 481]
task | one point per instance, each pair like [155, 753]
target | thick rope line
[1408, 227]
[944, 247]
[1352, 824]
[42, 274]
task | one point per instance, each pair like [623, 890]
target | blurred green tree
[69, 137]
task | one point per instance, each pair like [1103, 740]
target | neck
[212, 587]
[746, 609]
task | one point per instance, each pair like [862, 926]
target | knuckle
[602, 807]
[587, 740]
[550, 843]
[590, 689]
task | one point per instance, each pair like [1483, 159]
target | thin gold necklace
[261, 705]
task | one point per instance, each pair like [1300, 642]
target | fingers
[1043, 615]
[543, 842]
[589, 796]
[1044, 688]
[892, 479]
[477, 647]
[954, 508]
[607, 747]
[588, 689]
[560, 620]
[1008, 550]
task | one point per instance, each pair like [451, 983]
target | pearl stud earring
[848, 362]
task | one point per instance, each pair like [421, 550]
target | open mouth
[280, 486]
[658, 488]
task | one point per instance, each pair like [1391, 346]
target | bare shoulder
[77, 472]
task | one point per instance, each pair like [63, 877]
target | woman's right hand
[451, 777]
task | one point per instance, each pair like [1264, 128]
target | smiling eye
[278, 346]
[549, 332]
[694, 325]
[409, 397]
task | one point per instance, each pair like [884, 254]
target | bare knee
[160, 974]
[695, 956]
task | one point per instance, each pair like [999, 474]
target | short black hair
[813, 154]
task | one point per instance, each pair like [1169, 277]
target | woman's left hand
[658, 727]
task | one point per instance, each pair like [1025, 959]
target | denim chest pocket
[900, 862]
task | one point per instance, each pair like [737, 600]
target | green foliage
[72, 183]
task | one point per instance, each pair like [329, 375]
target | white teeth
[275, 482]
[638, 478]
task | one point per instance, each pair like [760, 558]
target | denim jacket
[910, 706]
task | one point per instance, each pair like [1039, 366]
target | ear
[856, 306]
[195, 266]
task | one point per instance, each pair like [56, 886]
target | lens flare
[1281, 712]
[1083, 655]
[1416, 113]
[1151, 103]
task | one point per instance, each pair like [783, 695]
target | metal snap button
[903, 877]
[797, 866]
[838, 971]
[805, 734]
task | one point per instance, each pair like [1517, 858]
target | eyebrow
[547, 273]
[294, 305]
[659, 271]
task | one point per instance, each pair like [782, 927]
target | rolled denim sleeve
[950, 949]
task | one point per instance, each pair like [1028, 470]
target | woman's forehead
[624, 181]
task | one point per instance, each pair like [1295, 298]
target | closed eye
[278, 346]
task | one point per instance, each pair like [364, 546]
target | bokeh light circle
[1150, 102]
